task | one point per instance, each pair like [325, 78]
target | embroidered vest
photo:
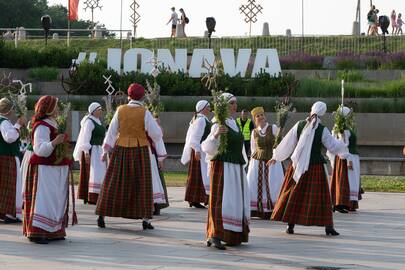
[8, 149]
[317, 146]
[131, 132]
[264, 144]
[353, 143]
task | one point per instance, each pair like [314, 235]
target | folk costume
[198, 182]
[93, 168]
[46, 197]
[305, 197]
[229, 203]
[264, 181]
[127, 190]
[345, 184]
[160, 196]
[10, 177]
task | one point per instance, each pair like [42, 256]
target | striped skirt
[30, 195]
[195, 191]
[215, 226]
[340, 187]
[307, 202]
[83, 190]
[127, 188]
[8, 183]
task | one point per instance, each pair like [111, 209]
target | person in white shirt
[10, 177]
[174, 18]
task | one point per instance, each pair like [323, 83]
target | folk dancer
[198, 182]
[305, 197]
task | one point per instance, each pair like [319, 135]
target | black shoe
[156, 212]
[290, 229]
[198, 205]
[340, 209]
[216, 242]
[147, 225]
[331, 231]
[8, 220]
[362, 191]
[100, 222]
[38, 240]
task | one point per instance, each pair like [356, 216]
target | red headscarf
[44, 107]
[136, 91]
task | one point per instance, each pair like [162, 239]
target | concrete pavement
[373, 238]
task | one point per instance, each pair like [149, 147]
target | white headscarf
[302, 153]
[93, 107]
[201, 105]
[345, 111]
[228, 97]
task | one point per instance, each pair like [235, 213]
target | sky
[321, 17]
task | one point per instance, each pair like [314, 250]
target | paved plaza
[373, 238]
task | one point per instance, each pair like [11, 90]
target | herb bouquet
[152, 98]
[62, 150]
[282, 115]
[20, 106]
[341, 122]
[221, 112]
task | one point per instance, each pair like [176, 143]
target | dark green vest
[234, 148]
[264, 144]
[353, 143]
[317, 146]
[97, 136]
[8, 149]
[207, 130]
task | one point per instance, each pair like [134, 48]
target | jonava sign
[139, 59]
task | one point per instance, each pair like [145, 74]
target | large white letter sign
[267, 61]
[114, 60]
[228, 60]
[198, 62]
[131, 60]
[166, 59]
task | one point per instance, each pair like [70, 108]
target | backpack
[186, 19]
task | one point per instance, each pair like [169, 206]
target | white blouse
[42, 139]
[9, 132]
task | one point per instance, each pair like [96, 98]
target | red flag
[73, 10]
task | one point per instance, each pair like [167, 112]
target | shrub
[43, 73]
[349, 75]
[301, 61]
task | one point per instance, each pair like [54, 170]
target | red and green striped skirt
[307, 202]
[127, 188]
[195, 191]
[8, 181]
[83, 190]
[340, 187]
[215, 226]
[30, 194]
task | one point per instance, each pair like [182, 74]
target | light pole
[302, 18]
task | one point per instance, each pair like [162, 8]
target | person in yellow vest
[246, 126]
[127, 190]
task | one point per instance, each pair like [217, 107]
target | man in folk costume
[264, 181]
[127, 189]
[89, 152]
[229, 203]
[345, 185]
[46, 188]
[305, 197]
[160, 196]
[198, 182]
[10, 177]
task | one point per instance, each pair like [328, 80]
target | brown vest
[131, 131]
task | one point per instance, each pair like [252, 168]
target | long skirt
[46, 201]
[345, 184]
[91, 175]
[8, 184]
[195, 190]
[217, 219]
[127, 188]
[264, 184]
[160, 196]
[307, 202]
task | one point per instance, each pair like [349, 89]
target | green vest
[353, 143]
[264, 144]
[97, 136]
[8, 149]
[234, 148]
[317, 146]
[245, 129]
[207, 130]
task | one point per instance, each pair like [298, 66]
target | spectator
[394, 21]
[246, 126]
[374, 27]
[400, 22]
[184, 20]
[173, 19]
[370, 15]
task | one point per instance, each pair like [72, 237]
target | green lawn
[369, 183]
